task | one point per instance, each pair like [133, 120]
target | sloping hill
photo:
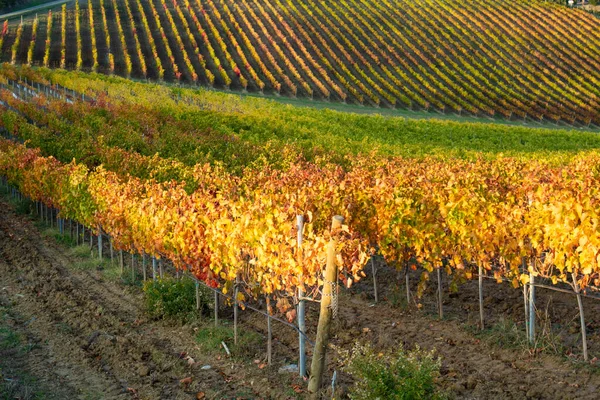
[517, 60]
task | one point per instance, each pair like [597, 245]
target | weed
[175, 298]
[401, 375]
[209, 339]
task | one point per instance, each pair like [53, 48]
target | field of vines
[515, 60]
[153, 168]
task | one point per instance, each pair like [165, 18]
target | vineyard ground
[69, 332]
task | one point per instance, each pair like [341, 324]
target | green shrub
[170, 297]
[405, 375]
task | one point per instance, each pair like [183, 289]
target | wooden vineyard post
[481, 297]
[160, 268]
[407, 289]
[197, 296]
[132, 266]
[153, 268]
[301, 304]
[216, 308]
[440, 306]
[375, 294]
[144, 265]
[77, 233]
[531, 308]
[581, 317]
[235, 309]
[121, 262]
[526, 301]
[330, 278]
[100, 242]
[269, 332]
[112, 252]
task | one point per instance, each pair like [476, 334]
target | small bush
[403, 375]
[176, 298]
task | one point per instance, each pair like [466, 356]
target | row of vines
[495, 58]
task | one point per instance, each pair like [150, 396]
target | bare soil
[91, 338]
[82, 336]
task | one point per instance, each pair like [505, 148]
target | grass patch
[209, 340]
[509, 335]
[9, 339]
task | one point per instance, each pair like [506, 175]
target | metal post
[301, 304]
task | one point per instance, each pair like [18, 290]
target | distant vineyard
[495, 58]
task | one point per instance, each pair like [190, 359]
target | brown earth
[83, 337]
[88, 338]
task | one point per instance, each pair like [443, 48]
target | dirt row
[91, 337]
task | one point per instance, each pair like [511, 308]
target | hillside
[521, 61]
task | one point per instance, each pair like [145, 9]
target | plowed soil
[86, 337]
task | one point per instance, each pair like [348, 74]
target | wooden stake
[482, 325]
[121, 262]
[112, 252]
[100, 242]
[269, 332]
[407, 289]
[132, 266]
[144, 265]
[525, 301]
[439, 279]
[330, 278]
[153, 268]
[531, 308]
[581, 317]
[374, 279]
[235, 310]
[216, 309]
[197, 295]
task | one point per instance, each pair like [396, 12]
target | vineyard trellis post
[121, 262]
[407, 279]
[216, 309]
[526, 300]
[329, 281]
[269, 332]
[439, 281]
[581, 317]
[153, 268]
[197, 296]
[531, 307]
[112, 252]
[301, 304]
[374, 269]
[100, 242]
[144, 266]
[236, 290]
[481, 297]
